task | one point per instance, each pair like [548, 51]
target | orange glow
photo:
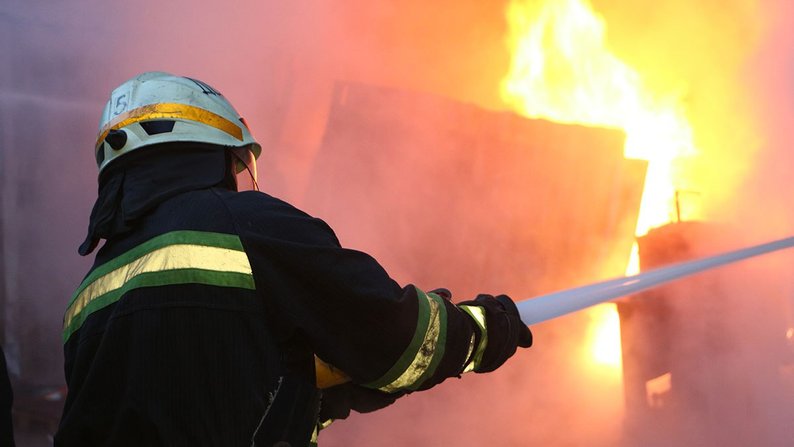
[562, 70]
[633, 267]
[684, 75]
[605, 336]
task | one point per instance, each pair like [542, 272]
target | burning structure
[683, 345]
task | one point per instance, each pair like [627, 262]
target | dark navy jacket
[199, 327]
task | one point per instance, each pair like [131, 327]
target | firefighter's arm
[499, 331]
[507, 332]
[357, 318]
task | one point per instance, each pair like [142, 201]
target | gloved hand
[499, 331]
[337, 401]
[443, 293]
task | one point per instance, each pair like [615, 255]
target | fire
[562, 70]
[605, 336]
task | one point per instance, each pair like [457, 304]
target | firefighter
[208, 307]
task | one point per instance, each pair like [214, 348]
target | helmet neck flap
[135, 186]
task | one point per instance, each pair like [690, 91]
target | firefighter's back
[165, 340]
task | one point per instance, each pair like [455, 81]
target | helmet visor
[244, 166]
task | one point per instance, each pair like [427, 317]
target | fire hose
[553, 305]
[546, 307]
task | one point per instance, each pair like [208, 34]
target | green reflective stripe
[315, 436]
[420, 359]
[174, 258]
[409, 354]
[477, 313]
[153, 279]
[220, 240]
[436, 350]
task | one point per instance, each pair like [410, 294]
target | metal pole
[553, 305]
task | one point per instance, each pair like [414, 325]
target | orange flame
[605, 336]
[562, 70]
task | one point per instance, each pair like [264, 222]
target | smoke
[734, 61]
[699, 53]
[765, 200]
[278, 61]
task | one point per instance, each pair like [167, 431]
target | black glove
[443, 293]
[504, 331]
[337, 401]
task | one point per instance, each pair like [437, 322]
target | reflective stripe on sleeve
[419, 361]
[477, 313]
[179, 257]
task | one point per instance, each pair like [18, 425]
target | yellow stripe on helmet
[170, 110]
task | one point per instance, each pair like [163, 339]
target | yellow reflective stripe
[172, 257]
[422, 361]
[478, 314]
[170, 110]
[315, 435]
[467, 365]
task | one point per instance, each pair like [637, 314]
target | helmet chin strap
[243, 160]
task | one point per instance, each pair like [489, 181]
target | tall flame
[562, 70]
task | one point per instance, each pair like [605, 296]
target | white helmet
[157, 107]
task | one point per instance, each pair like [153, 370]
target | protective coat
[200, 318]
